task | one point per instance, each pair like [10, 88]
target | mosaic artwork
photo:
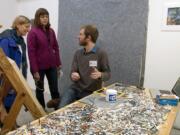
[133, 114]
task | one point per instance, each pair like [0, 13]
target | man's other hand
[75, 76]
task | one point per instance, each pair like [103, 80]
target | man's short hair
[92, 31]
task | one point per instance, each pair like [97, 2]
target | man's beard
[83, 43]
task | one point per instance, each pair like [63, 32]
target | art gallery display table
[134, 113]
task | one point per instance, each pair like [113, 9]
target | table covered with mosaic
[134, 113]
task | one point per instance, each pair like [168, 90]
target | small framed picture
[171, 17]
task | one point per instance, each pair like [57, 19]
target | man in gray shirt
[90, 67]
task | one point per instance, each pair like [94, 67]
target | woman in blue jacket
[13, 45]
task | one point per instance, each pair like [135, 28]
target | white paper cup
[111, 95]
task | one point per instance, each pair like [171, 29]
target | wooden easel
[12, 78]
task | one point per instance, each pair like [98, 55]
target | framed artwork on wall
[171, 17]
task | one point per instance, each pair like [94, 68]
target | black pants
[52, 78]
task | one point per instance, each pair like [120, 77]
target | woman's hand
[36, 76]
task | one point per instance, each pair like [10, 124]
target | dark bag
[176, 88]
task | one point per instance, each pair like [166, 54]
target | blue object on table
[164, 101]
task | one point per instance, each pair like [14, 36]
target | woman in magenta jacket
[43, 51]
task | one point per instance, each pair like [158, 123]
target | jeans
[72, 95]
[52, 78]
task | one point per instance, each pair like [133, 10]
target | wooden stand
[11, 77]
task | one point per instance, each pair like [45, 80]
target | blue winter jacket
[10, 42]
[11, 49]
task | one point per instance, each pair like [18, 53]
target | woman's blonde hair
[19, 20]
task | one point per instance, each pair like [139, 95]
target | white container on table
[111, 95]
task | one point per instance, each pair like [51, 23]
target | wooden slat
[19, 84]
[3, 112]
[165, 129]
[10, 119]
[1, 72]
[3, 92]
[5, 87]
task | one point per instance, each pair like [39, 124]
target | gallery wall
[8, 10]
[122, 26]
[162, 50]
[162, 67]
[29, 7]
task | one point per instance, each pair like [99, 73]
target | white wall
[162, 67]
[8, 10]
[29, 7]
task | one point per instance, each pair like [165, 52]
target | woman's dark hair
[39, 12]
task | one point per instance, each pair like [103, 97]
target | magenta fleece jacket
[43, 49]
